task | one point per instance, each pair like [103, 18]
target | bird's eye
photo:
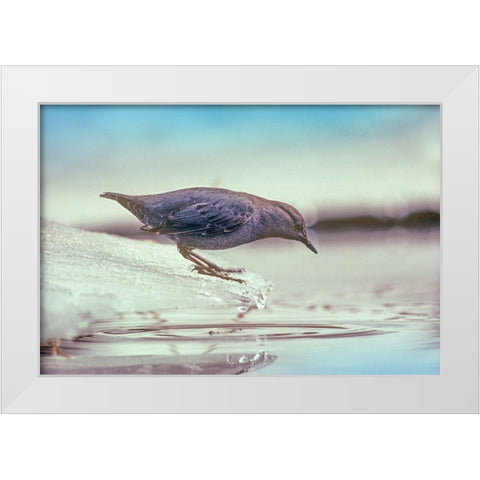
[297, 227]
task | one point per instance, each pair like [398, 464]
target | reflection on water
[367, 306]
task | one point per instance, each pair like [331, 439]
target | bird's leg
[215, 267]
[215, 273]
[187, 253]
[203, 262]
[204, 267]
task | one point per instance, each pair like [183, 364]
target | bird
[208, 218]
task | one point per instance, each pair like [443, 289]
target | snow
[88, 276]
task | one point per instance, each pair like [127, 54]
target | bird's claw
[216, 273]
[228, 270]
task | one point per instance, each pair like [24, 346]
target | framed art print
[240, 239]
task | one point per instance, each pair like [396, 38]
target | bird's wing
[207, 218]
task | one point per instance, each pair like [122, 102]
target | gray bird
[213, 219]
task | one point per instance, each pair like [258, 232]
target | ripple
[231, 331]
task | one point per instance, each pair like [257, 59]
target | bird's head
[292, 225]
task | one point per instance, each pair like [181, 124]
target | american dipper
[213, 219]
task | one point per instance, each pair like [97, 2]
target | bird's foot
[226, 270]
[203, 263]
[216, 273]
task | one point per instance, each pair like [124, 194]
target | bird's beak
[309, 244]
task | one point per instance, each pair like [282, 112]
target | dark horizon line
[415, 220]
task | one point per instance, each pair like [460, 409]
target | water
[366, 304]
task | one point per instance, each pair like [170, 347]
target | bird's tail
[132, 204]
[115, 196]
[127, 201]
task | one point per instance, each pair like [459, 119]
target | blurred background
[342, 166]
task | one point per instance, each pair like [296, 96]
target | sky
[321, 158]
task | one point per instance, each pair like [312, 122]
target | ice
[88, 276]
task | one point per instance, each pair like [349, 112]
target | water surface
[366, 304]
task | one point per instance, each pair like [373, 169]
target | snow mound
[87, 276]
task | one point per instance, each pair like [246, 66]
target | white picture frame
[455, 389]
